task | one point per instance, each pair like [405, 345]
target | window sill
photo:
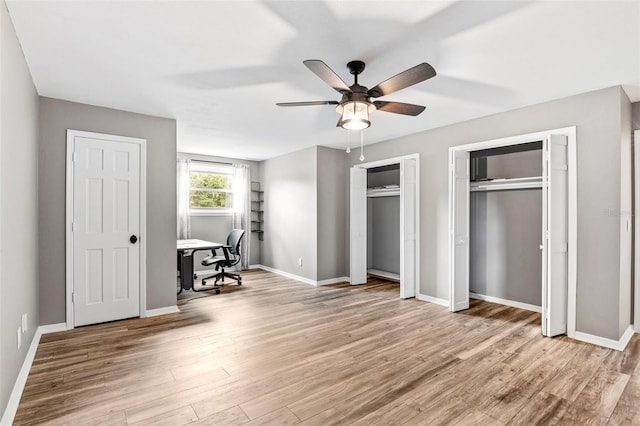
[211, 213]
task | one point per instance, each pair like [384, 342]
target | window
[211, 188]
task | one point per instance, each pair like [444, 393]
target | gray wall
[635, 115]
[290, 194]
[18, 206]
[505, 235]
[598, 119]
[384, 234]
[515, 165]
[332, 173]
[56, 117]
[217, 227]
[381, 178]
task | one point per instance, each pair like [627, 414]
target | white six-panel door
[105, 228]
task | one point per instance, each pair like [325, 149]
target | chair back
[234, 239]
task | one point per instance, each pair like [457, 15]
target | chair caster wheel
[203, 282]
[218, 291]
[239, 282]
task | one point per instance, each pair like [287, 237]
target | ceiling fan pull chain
[361, 145]
[348, 141]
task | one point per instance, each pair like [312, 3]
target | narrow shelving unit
[257, 212]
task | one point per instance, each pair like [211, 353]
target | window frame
[216, 169]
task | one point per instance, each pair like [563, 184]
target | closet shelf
[383, 192]
[506, 184]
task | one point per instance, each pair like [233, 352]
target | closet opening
[512, 222]
[505, 202]
[383, 222]
[384, 225]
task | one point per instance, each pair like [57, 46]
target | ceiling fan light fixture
[355, 114]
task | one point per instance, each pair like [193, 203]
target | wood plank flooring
[276, 351]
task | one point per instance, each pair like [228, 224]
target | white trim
[289, 275]
[636, 209]
[21, 380]
[384, 274]
[299, 278]
[570, 133]
[71, 134]
[398, 160]
[333, 281]
[387, 161]
[513, 140]
[436, 300]
[53, 328]
[618, 345]
[161, 311]
[572, 231]
[512, 303]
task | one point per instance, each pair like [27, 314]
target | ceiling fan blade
[327, 75]
[310, 103]
[406, 78]
[399, 108]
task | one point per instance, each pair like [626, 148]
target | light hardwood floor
[276, 351]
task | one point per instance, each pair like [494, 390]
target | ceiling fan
[356, 105]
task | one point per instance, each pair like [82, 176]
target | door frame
[71, 135]
[636, 224]
[570, 133]
[387, 162]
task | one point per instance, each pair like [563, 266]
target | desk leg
[186, 271]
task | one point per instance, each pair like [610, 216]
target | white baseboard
[384, 274]
[21, 380]
[299, 278]
[512, 303]
[436, 300]
[333, 281]
[54, 328]
[618, 345]
[161, 311]
[288, 275]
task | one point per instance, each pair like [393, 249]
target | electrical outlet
[299, 261]
[19, 334]
[25, 323]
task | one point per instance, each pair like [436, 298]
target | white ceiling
[219, 67]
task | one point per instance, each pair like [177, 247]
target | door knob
[133, 239]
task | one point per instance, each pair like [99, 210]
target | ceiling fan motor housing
[355, 67]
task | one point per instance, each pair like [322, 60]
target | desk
[186, 248]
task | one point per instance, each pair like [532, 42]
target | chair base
[207, 288]
[220, 276]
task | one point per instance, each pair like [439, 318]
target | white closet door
[106, 217]
[554, 245]
[459, 231]
[358, 226]
[408, 220]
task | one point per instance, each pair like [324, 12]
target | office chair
[231, 258]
